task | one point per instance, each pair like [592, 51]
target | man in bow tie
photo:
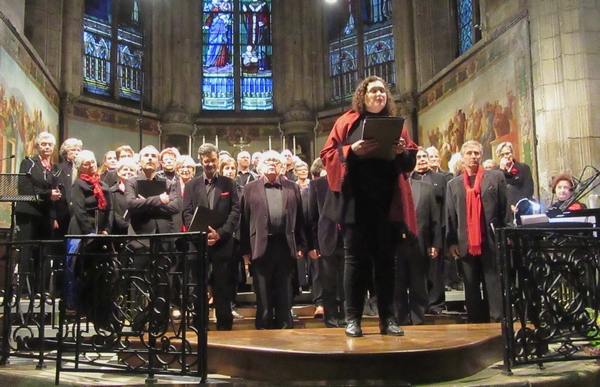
[271, 235]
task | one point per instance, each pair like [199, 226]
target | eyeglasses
[506, 154]
[272, 161]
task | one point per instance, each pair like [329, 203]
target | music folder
[204, 217]
[387, 131]
[148, 188]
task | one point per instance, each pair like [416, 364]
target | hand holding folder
[385, 131]
[205, 217]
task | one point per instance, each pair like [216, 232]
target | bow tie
[272, 185]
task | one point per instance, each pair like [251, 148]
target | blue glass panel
[97, 66]
[217, 36]
[218, 93]
[256, 51]
[377, 11]
[130, 71]
[465, 24]
[257, 93]
[99, 9]
[129, 16]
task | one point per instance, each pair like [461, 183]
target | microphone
[8, 158]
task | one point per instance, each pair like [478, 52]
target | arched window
[113, 48]
[236, 55]
[467, 15]
[361, 43]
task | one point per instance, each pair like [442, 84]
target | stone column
[71, 69]
[565, 65]
[43, 29]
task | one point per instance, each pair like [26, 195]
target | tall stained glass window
[113, 48]
[360, 44]
[467, 13]
[236, 55]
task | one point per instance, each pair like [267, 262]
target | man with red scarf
[476, 205]
[371, 199]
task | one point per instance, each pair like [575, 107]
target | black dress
[94, 268]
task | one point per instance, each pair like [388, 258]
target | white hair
[270, 154]
[83, 156]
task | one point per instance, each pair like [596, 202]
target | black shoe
[389, 327]
[353, 328]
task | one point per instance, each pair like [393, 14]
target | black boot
[353, 328]
[388, 326]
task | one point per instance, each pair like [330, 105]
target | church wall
[14, 10]
[29, 102]
[103, 128]
[565, 46]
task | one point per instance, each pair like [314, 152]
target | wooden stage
[426, 354]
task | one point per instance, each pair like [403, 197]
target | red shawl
[97, 188]
[335, 152]
[473, 196]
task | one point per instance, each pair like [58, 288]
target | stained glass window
[236, 55]
[355, 55]
[465, 13]
[113, 48]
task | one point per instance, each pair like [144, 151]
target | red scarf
[98, 192]
[474, 211]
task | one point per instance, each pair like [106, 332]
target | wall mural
[25, 111]
[486, 98]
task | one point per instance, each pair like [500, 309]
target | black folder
[148, 188]
[204, 217]
[387, 131]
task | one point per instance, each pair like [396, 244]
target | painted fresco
[24, 112]
[486, 98]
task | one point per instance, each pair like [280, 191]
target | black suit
[220, 255]
[326, 237]
[35, 219]
[413, 261]
[435, 275]
[272, 255]
[480, 268]
[150, 215]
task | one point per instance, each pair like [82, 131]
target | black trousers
[331, 275]
[272, 279]
[222, 268]
[34, 268]
[369, 250]
[480, 272]
[411, 284]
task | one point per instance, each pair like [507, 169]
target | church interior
[252, 76]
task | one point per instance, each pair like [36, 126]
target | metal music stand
[11, 184]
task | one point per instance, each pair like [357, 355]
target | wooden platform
[426, 354]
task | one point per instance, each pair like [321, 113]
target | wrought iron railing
[551, 294]
[120, 303]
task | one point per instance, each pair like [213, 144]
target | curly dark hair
[358, 100]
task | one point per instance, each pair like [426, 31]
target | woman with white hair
[91, 199]
[92, 214]
[37, 219]
[519, 182]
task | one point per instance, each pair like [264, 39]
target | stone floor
[22, 373]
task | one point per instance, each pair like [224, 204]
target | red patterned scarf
[98, 193]
[474, 211]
